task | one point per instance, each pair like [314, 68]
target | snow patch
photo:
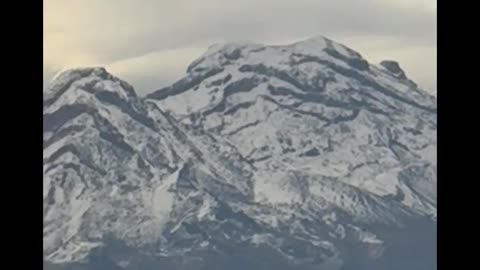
[204, 209]
[274, 189]
[163, 198]
[258, 239]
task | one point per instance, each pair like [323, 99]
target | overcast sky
[150, 43]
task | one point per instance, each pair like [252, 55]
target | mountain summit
[303, 156]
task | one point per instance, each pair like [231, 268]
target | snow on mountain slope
[284, 157]
[109, 165]
[313, 106]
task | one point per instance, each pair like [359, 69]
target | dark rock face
[394, 68]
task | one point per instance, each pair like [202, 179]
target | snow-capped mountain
[302, 156]
[317, 107]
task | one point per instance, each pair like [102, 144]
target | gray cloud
[112, 32]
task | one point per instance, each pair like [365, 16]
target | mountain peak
[231, 45]
[86, 79]
[319, 40]
[79, 72]
[219, 56]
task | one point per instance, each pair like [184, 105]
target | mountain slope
[109, 163]
[286, 157]
[315, 106]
